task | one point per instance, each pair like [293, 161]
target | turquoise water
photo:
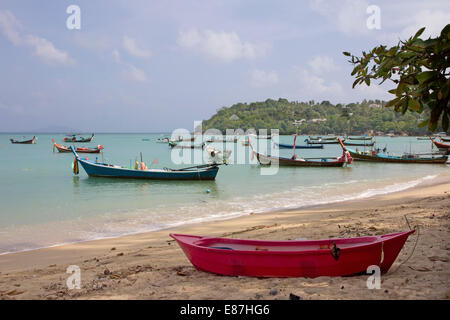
[44, 204]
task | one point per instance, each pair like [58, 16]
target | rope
[416, 227]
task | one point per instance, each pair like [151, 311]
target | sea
[43, 204]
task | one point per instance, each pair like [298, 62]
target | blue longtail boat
[290, 146]
[97, 169]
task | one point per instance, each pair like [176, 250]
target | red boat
[311, 258]
[31, 141]
[63, 148]
[441, 146]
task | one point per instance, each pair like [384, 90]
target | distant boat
[31, 141]
[233, 140]
[423, 138]
[359, 138]
[323, 142]
[306, 258]
[97, 169]
[162, 140]
[63, 149]
[290, 146]
[445, 139]
[73, 138]
[175, 145]
[374, 156]
[361, 144]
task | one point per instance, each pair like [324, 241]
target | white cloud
[261, 78]
[130, 46]
[434, 21]
[43, 48]
[322, 64]
[349, 16]
[315, 85]
[219, 46]
[135, 74]
[9, 26]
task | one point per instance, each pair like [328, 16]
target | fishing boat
[303, 162]
[308, 141]
[181, 139]
[61, 148]
[233, 140]
[445, 139]
[423, 138]
[245, 143]
[31, 141]
[290, 146]
[73, 138]
[162, 140]
[375, 156]
[97, 169]
[361, 144]
[360, 138]
[175, 145]
[441, 146]
[307, 258]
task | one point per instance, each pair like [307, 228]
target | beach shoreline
[151, 265]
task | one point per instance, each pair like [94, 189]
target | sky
[154, 66]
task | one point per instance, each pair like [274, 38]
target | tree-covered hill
[316, 118]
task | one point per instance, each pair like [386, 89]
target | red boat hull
[291, 258]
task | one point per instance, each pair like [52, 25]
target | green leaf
[413, 104]
[425, 76]
[346, 53]
[418, 33]
[393, 102]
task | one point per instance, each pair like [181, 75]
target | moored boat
[361, 144]
[334, 141]
[97, 169]
[63, 149]
[445, 139]
[30, 141]
[306, 258]
[440, 145]
[74, 139]
[360, 138]
[291, 146]
[375, 156]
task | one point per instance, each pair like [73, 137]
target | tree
[419, 68]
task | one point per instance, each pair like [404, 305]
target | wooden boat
[162, 140]
[73, 138]
[301, 162]
[423, 138]
[290, 146]
[306, 258]
[210, 140]
[441, 146]
[375, 156]
[445, 139]
[62, 148]
[181, 139]
[359, 138]
[96, 169]
[175, 145]
[31, 141]
[361, 144]
[308, 141]
[245, 143]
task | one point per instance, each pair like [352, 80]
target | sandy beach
[152, 266]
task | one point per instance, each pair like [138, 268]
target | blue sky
[151, 66]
